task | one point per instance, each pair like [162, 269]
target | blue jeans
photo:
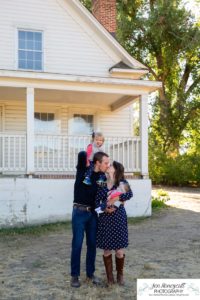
[83, 221]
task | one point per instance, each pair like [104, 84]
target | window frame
[75, 115]
[79, 111]
[49, 110]
[17, 49]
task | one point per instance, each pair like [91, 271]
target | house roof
[127, 61]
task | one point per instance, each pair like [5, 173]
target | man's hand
[109, 210]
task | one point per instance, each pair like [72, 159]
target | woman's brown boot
[109, 268]
[119, 267]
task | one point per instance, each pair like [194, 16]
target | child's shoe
[87, 181]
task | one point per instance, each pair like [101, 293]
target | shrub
[161, 192]
[158, 202]
[181, 170]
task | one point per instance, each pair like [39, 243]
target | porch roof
[109, 92]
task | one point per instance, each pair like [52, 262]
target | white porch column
[144, 134]
[30, 129]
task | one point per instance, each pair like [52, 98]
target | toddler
[94, 147]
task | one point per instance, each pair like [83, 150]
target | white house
[62, 75]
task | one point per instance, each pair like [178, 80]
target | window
[47, 129]
[46, 123]
[82, 124]
[30, 50]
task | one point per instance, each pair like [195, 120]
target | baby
[94, 147]
[122, 188]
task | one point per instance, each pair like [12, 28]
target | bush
[182, 170]
[162, 193]
[158, 202]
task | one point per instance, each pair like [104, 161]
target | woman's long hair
[119, 172]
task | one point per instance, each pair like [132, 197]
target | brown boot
[109, 268]
[119, 267]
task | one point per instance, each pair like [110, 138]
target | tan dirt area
[166, 245]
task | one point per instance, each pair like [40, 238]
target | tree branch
[185, 77]
[191, 114]
[191, 88]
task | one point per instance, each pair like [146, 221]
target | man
[84, 218]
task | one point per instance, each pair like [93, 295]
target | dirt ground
[167, 245]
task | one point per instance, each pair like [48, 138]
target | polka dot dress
[112, 232]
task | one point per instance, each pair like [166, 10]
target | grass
[158, 203]
[36, 229]
[136, 220]
[162, 193]
[37, 264]
[48, 228]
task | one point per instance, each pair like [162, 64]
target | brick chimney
[105, 12]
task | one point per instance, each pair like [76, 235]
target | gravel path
[167, 245]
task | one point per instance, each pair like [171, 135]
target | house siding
[110, 123]
[116, 123]
[70, 47]
[14, 117]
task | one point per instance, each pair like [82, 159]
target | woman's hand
[110, 210]
[112, 201]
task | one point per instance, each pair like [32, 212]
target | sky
[194, 6]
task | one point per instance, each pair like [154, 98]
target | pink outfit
[118, 191]
[115, 194]
[91, 150]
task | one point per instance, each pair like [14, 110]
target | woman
[112, 232]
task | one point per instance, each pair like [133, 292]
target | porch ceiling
[111, 101]
[9, 93]
[75, 97]
[104, 92]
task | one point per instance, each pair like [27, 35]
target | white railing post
[144, 135]
[30, 130]
[58, 152]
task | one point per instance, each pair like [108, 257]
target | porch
[24, 150]
[58, 153]
[26, 100]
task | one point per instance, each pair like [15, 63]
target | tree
[165, 37]
[87, 3]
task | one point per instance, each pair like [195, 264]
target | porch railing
[12, 152]
[58, 153]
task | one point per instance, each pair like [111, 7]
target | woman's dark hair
[119, 172]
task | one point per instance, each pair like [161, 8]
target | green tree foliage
[87, 3]
[164, 37]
